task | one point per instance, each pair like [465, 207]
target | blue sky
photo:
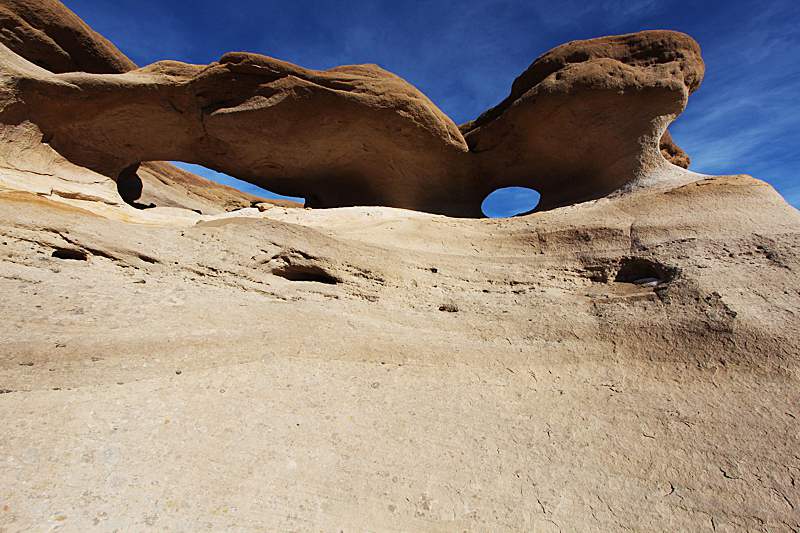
[745, 118]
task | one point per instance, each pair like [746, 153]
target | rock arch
[584, 120]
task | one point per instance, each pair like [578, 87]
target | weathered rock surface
[292, 369]
[672, 152]
[628, 363]
[27, 164]
[348, 136]
[49, 35]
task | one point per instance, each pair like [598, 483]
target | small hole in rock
[305, 273]
[129, 187]
[643, 272]
[70, 253]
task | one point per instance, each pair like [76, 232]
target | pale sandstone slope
[326, 383]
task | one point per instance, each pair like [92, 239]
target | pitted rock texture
[583, 121]
[672, 152]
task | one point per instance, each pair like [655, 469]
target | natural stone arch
[584, 120]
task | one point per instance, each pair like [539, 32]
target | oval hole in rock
[643, 272]
[509, 202]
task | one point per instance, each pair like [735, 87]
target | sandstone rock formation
[343, 137]
[49, 35]
[293, 369]
[672, 152]
[628, 363]
[583, 121]
[586, 118]
[156, 183]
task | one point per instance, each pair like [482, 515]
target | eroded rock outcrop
[630, 363]
[672, 152]
[585, 120]
[354, 135]
[48, 34]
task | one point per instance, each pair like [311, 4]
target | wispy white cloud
[569, 14]
[744, 118]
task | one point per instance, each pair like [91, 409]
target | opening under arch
[509, 202]
[224, 179]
